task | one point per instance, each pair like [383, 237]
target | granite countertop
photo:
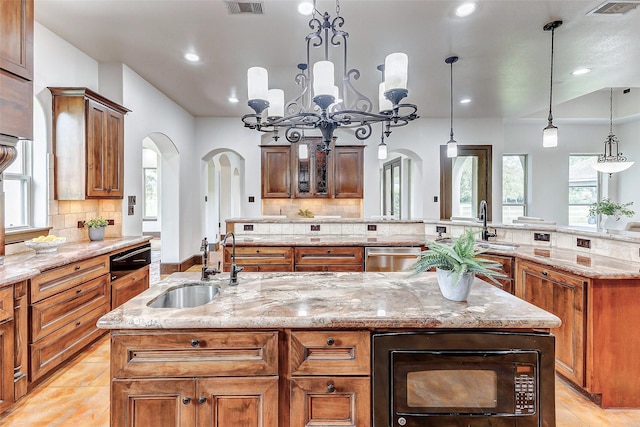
[27, 264]
[329, 240]
[330, 300]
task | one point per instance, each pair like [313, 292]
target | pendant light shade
[550, 133]
[609, 162]
[452, 145]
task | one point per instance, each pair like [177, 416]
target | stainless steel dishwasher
[390, 258]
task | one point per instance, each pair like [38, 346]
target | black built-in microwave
[463, 379]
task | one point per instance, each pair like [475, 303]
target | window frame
[599, 185]
[524, 204]
[25, 177]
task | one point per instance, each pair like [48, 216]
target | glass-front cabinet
[311, 169]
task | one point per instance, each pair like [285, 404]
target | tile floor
[78, 395]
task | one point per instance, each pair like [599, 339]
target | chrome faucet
[483, 216]
[207, 271]
[233, 276]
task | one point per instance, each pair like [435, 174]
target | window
[514, 187]
[150, 176]
[18, 189]
[583, 189]
[391, 186]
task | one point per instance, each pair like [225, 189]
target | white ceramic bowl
[45, 247]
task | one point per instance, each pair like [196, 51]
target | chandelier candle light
[329, 106]
[608, 162]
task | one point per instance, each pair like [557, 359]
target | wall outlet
[248, 227]
[583, 243]
[315, 227]
[131, 200]
[131, 210]
[542, 237]
[111, 222]
[252, 199]
[372, 227]
[435, 199]
[441, 229]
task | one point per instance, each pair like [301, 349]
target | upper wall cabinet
[16, 68]
[88, 145]
[301, 170]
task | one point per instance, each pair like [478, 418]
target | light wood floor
[78, 396]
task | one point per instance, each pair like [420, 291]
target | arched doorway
[167, 192]
[225, 190]
[400, 178]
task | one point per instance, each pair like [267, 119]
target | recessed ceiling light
[580, 71]
[191, 57]
[305, 8]
[466, 9]
[233, 100]
[465, 100]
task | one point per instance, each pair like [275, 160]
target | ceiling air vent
[615, 7]
[237, 7]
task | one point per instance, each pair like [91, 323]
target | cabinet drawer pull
[202, 400]
[78, 323]
[257, 251]
[328, 251]
[186, 400]
[330, 341]
[195, 343]
[545, 273]
[331, 388]
[78, 291]
[78, 267]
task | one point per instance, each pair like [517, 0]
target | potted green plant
[96, 227]
[456, 265]
[611, 212]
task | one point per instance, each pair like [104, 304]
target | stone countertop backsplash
[25, 265]
[329, 300]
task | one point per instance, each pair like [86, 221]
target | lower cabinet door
[153, 403]
[246, 402]
[330, 401]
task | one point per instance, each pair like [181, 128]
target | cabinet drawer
[354, 268]
[6, 303]
[127, 287]
[60, 279]
[60, 345]
[260, 255]
[329, 255]
[60, 309]
[184, 354]
[331, 401]
[330, 353]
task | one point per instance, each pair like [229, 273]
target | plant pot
[454, 291]
[96, 234]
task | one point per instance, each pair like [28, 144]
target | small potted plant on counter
[611, 213]
[96, 227]
[456, 265]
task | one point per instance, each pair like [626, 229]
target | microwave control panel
[525, 390]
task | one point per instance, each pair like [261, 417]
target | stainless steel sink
[186, 296]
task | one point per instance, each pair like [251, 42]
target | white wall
[629, 180]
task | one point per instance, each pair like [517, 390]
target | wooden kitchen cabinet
[564, 295]
[330, 382]
[88, 127]
[348, 176]
[286, 174]
[276, 171]
[507, 263]
[195, 379]
[16, 68]
[329, 258]
[6, 348]
[126, 287]
[261, 258]
[65, 304]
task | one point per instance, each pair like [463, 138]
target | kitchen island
[289, 349]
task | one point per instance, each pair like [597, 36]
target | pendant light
[608, 162]
[452, 145]
[550, 133]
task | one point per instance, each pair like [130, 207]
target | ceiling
[504, 52]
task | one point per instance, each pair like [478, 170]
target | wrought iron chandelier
[329, 107]
[609, 162]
